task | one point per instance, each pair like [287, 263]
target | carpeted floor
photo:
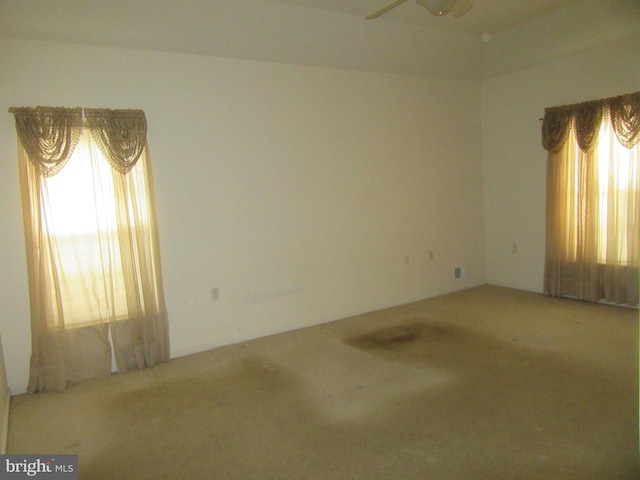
[486, 383]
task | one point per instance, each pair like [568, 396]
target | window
[617, 167]
[593, 200]
[93, 258]
[81, 217]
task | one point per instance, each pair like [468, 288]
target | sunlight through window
[81, 215]
[616, 168]
[82, 188]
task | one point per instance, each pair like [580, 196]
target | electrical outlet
[430, 254]
[514, 248]
[215, 293]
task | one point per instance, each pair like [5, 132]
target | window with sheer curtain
[93, 259]
[593, 199]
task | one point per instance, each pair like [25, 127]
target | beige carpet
[487, 383]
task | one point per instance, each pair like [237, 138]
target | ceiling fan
[457, 8]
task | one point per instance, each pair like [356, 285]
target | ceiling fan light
[437, 7]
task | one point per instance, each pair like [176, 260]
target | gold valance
[120, 134]
[585, 119]
[50, 135]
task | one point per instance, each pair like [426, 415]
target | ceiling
[334, 33]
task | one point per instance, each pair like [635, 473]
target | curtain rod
[606, 100]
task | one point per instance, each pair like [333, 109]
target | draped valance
[585, 119]
[50, 135]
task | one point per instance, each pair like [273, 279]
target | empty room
[355, 239]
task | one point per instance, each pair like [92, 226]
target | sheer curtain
[593, 199]
[93, 259]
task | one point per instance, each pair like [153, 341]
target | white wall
[514, 160]
[298, 191]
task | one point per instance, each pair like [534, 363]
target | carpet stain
[386, 337]
[398, 335]
[224, 384]
[428, 343]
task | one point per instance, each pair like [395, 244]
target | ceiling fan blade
[384, 10]
[461, 7]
